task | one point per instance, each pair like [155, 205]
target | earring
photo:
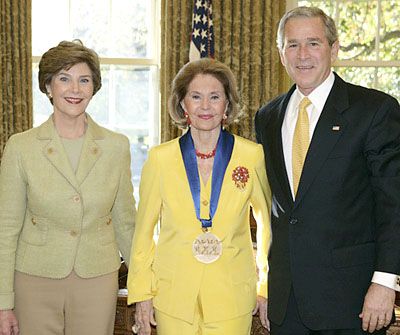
[187, 119]
[223, 122]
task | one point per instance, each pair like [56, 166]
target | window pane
[389, 81]
[389, 30]
[364, 76]
[327, 6]
[386, 79]
[357, 30]
[49, 24]
[116, 29]
[121, 27]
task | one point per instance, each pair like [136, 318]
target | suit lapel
[54, 151]
[91, 151]
[329, 129]
[276, 162]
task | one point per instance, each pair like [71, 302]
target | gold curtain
[15, 68]
[245, 33]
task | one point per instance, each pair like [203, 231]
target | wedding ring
[136, 328]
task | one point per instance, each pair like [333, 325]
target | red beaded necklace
[206, 155]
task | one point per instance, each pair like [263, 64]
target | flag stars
[198, 3]
[196, 32]
[203, 34]
[197, 18]
[204, 19]
[202, 48]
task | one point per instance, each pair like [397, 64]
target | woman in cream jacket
[201, 276]
[66, 209]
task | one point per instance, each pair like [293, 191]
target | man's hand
[378, 307]
[144, 316]
[8, 323]
[261, 307]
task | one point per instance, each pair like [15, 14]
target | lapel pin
[336, 128]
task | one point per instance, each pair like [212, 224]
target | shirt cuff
[387, 279]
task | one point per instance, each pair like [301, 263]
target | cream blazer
[53, 221]
[167, 271]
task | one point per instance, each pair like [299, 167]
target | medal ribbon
[221, 160]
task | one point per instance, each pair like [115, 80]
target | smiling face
[71, 90]
[205, 102]
[306, 54]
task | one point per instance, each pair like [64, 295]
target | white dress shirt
[318, 98]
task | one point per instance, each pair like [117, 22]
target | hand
[144, 316]
[8, 323]
[261, 307]
[378, 307]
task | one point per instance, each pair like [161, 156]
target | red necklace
[206, 155]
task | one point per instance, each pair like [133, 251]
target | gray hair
[307, 12]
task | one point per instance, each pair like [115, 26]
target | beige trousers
[68, 306]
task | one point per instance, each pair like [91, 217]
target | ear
[183, 105]
[48, 89]
[334, 51]
[282, 57]
[226, 107]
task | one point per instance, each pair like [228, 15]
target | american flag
[202, 38]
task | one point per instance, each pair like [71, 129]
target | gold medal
[207, 248]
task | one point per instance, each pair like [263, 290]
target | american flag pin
[336, 128]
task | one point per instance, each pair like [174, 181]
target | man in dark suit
[332, 153]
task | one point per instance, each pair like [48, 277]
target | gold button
[205, 202]
[109, 221]
[33, 221]
[73, 233]
[76, 198]
[50, 151]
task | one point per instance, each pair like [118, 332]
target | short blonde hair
[187, 73]
[62, 57]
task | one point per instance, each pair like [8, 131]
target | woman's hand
[8, 323]
[261, 307]
[144, 317]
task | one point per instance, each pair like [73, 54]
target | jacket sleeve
[382, 150]
[123, 212]
[143, 245]
[261, 204]
[12, 212]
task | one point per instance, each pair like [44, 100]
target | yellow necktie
[301, 141]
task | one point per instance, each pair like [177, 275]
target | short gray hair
[308, 12]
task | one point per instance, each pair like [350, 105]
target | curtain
[245, 33]
[15, 68]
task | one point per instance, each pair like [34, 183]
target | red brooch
[240, 176]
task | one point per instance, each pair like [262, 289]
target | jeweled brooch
[240, 176]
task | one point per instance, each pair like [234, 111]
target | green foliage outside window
[369, 36]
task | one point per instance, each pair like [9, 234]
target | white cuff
[387, 279]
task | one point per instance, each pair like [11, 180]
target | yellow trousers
[168, 325]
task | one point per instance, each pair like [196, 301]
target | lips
[73, 101]
[206, 116]
[304, 67]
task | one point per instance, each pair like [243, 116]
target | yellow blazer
[53, 221]
[167, 270]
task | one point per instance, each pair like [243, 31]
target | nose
[205, 103]
[75, 86]
[303, 52]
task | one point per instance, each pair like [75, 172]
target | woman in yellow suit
[200, 276]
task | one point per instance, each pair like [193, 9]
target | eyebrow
[309, 39]
[67, 74]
